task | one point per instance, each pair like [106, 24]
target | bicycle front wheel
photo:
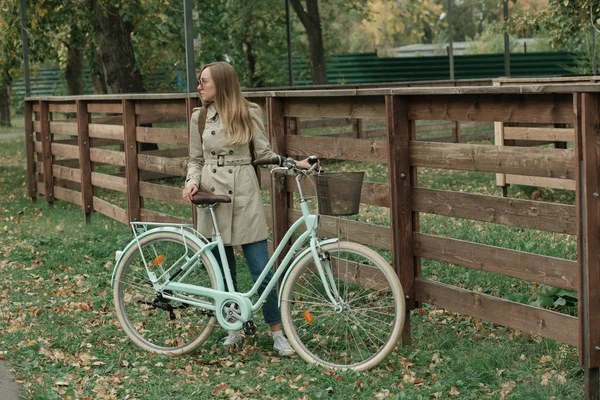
[151, 321]
[363, 327]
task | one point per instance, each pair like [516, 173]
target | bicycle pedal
[249, 328]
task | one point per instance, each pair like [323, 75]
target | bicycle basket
[339, 192]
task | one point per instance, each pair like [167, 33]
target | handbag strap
[202, 120]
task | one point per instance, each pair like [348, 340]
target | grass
[60, 333]
[18, 125]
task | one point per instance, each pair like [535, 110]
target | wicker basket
[339, 192]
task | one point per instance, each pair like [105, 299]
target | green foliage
[568, 24]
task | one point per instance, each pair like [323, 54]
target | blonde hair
[231, 104]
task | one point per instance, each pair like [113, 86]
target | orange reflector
[308, 316]
[158, 260]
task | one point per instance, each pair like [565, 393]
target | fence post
[47, 151]
[357, 127]
[588, 190]
[456, 132]
[189, 109]
[85, 163]
[279, 196]
[30, 148]
[131, 165]
[400, 131]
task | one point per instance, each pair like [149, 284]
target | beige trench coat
[243, 220]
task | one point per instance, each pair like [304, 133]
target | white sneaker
[281, 345]
[233, 338]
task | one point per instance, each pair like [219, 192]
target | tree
[566, 24]
[10, 26]
[311, 21]
[113, 29]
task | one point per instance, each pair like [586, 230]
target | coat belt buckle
[221, 161]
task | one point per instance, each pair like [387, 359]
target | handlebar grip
[267, 161]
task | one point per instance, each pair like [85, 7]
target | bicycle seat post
[214, 218]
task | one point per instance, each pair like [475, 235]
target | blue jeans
[257, 257]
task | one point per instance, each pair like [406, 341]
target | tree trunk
[5, 105]
[312, 24]
[253, 80]
[74, 71]
[96, 70]
[113, 36]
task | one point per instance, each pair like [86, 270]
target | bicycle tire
[150, 325]
[340, 338]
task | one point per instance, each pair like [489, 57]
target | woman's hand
[188, 192]
[303, 164]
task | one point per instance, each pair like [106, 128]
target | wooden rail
[70, 170]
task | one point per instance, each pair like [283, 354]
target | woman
[220, 163]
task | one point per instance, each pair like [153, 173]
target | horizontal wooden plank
[62, 107]
[435, 127]
[535, 108]
[171, 107]
[64, 150]
[547, 134]
[110, 210]
[105, 107]
[153, 216]
[339, 107]
[469, 137]
[164, 193]
[555, 183]
[169, 166]
[325, 123]
[337, 148]
[550, 324]
[552, 217]
[67, 195]
[71, 163]
[162, 135]
[549, 271]
[41, 188]
[64, 128]
[360, 232]
[550, 163]
[113, 132]
[109, 182]
[69, 174]
[37, 126]
[170, 153]
[111, 157]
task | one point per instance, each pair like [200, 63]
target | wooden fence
[99, 124]
[530, 134]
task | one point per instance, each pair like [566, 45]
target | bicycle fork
[326, 274]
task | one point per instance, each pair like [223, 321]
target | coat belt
[221, 161]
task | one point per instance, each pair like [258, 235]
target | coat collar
[211, 111]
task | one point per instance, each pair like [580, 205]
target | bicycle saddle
[206, 198]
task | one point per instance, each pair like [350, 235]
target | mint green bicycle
[342, 305]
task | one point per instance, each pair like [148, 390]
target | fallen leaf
[220, 387]
[453, 391]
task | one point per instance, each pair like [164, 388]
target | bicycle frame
[225, 292]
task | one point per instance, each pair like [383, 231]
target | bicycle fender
[187, 234]
[300, 257]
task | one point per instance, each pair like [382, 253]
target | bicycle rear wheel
[151, 321]
[363, 328]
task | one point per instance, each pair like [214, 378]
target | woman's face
[206, 87]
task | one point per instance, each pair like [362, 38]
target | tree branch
[304, 18]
